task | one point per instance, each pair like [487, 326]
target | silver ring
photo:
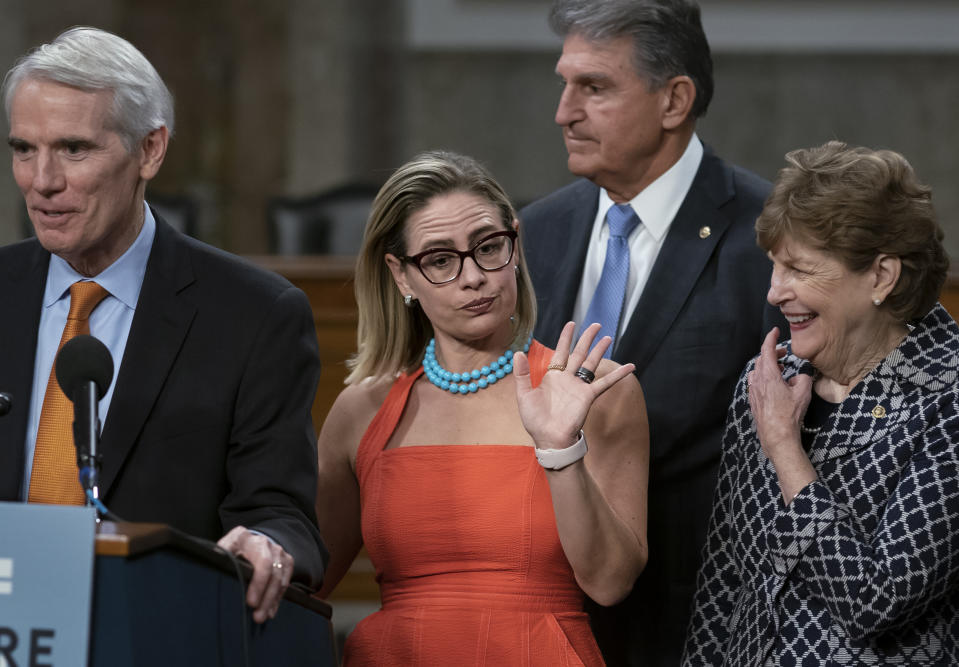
[277, 565]
[585, 374]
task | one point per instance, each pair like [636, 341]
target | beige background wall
[295, 96]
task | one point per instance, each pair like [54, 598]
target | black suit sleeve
[271, 459]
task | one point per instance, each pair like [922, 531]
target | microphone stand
[86, 437]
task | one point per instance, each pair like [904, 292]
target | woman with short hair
[834, 538]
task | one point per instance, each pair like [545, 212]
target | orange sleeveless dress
[467, 556]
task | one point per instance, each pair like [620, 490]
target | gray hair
[92, 59]
[668, 38]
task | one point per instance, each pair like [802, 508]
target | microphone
[6, 403]
[84, 370]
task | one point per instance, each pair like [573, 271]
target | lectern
[161, 597]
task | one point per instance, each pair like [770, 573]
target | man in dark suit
[207, 423]
[691, 309]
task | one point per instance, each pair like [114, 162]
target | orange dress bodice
[466, 551]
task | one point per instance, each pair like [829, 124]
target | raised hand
[777, 406]
[554, 412]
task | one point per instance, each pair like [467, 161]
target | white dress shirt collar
[656, 207]
[658, 203]
[122, 279]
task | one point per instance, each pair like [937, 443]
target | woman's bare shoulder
[365, 395]
[353, 411]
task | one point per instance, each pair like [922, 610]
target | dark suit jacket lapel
[566, 254]
[680, 262]
[26, 278]
[160, 324]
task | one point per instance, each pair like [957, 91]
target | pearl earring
[877, 301]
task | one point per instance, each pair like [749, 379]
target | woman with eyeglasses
[458, 452]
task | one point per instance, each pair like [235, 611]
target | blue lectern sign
[46, 576]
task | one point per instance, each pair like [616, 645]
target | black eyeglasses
[443, 265]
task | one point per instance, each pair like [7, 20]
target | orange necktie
[54, 477]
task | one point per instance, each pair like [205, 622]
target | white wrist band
[557, 459]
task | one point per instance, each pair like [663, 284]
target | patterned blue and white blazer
[862, 567]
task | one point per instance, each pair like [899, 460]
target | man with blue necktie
[656, 243]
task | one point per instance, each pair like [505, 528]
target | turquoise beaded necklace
[469, 382]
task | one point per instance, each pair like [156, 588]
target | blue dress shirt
[110, 322]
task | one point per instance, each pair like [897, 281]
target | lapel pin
[704, 231]
[879, 412]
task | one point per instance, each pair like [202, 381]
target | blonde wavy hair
[390, 337]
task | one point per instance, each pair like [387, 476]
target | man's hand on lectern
[272, 569]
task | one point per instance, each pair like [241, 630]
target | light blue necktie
[607, 304]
